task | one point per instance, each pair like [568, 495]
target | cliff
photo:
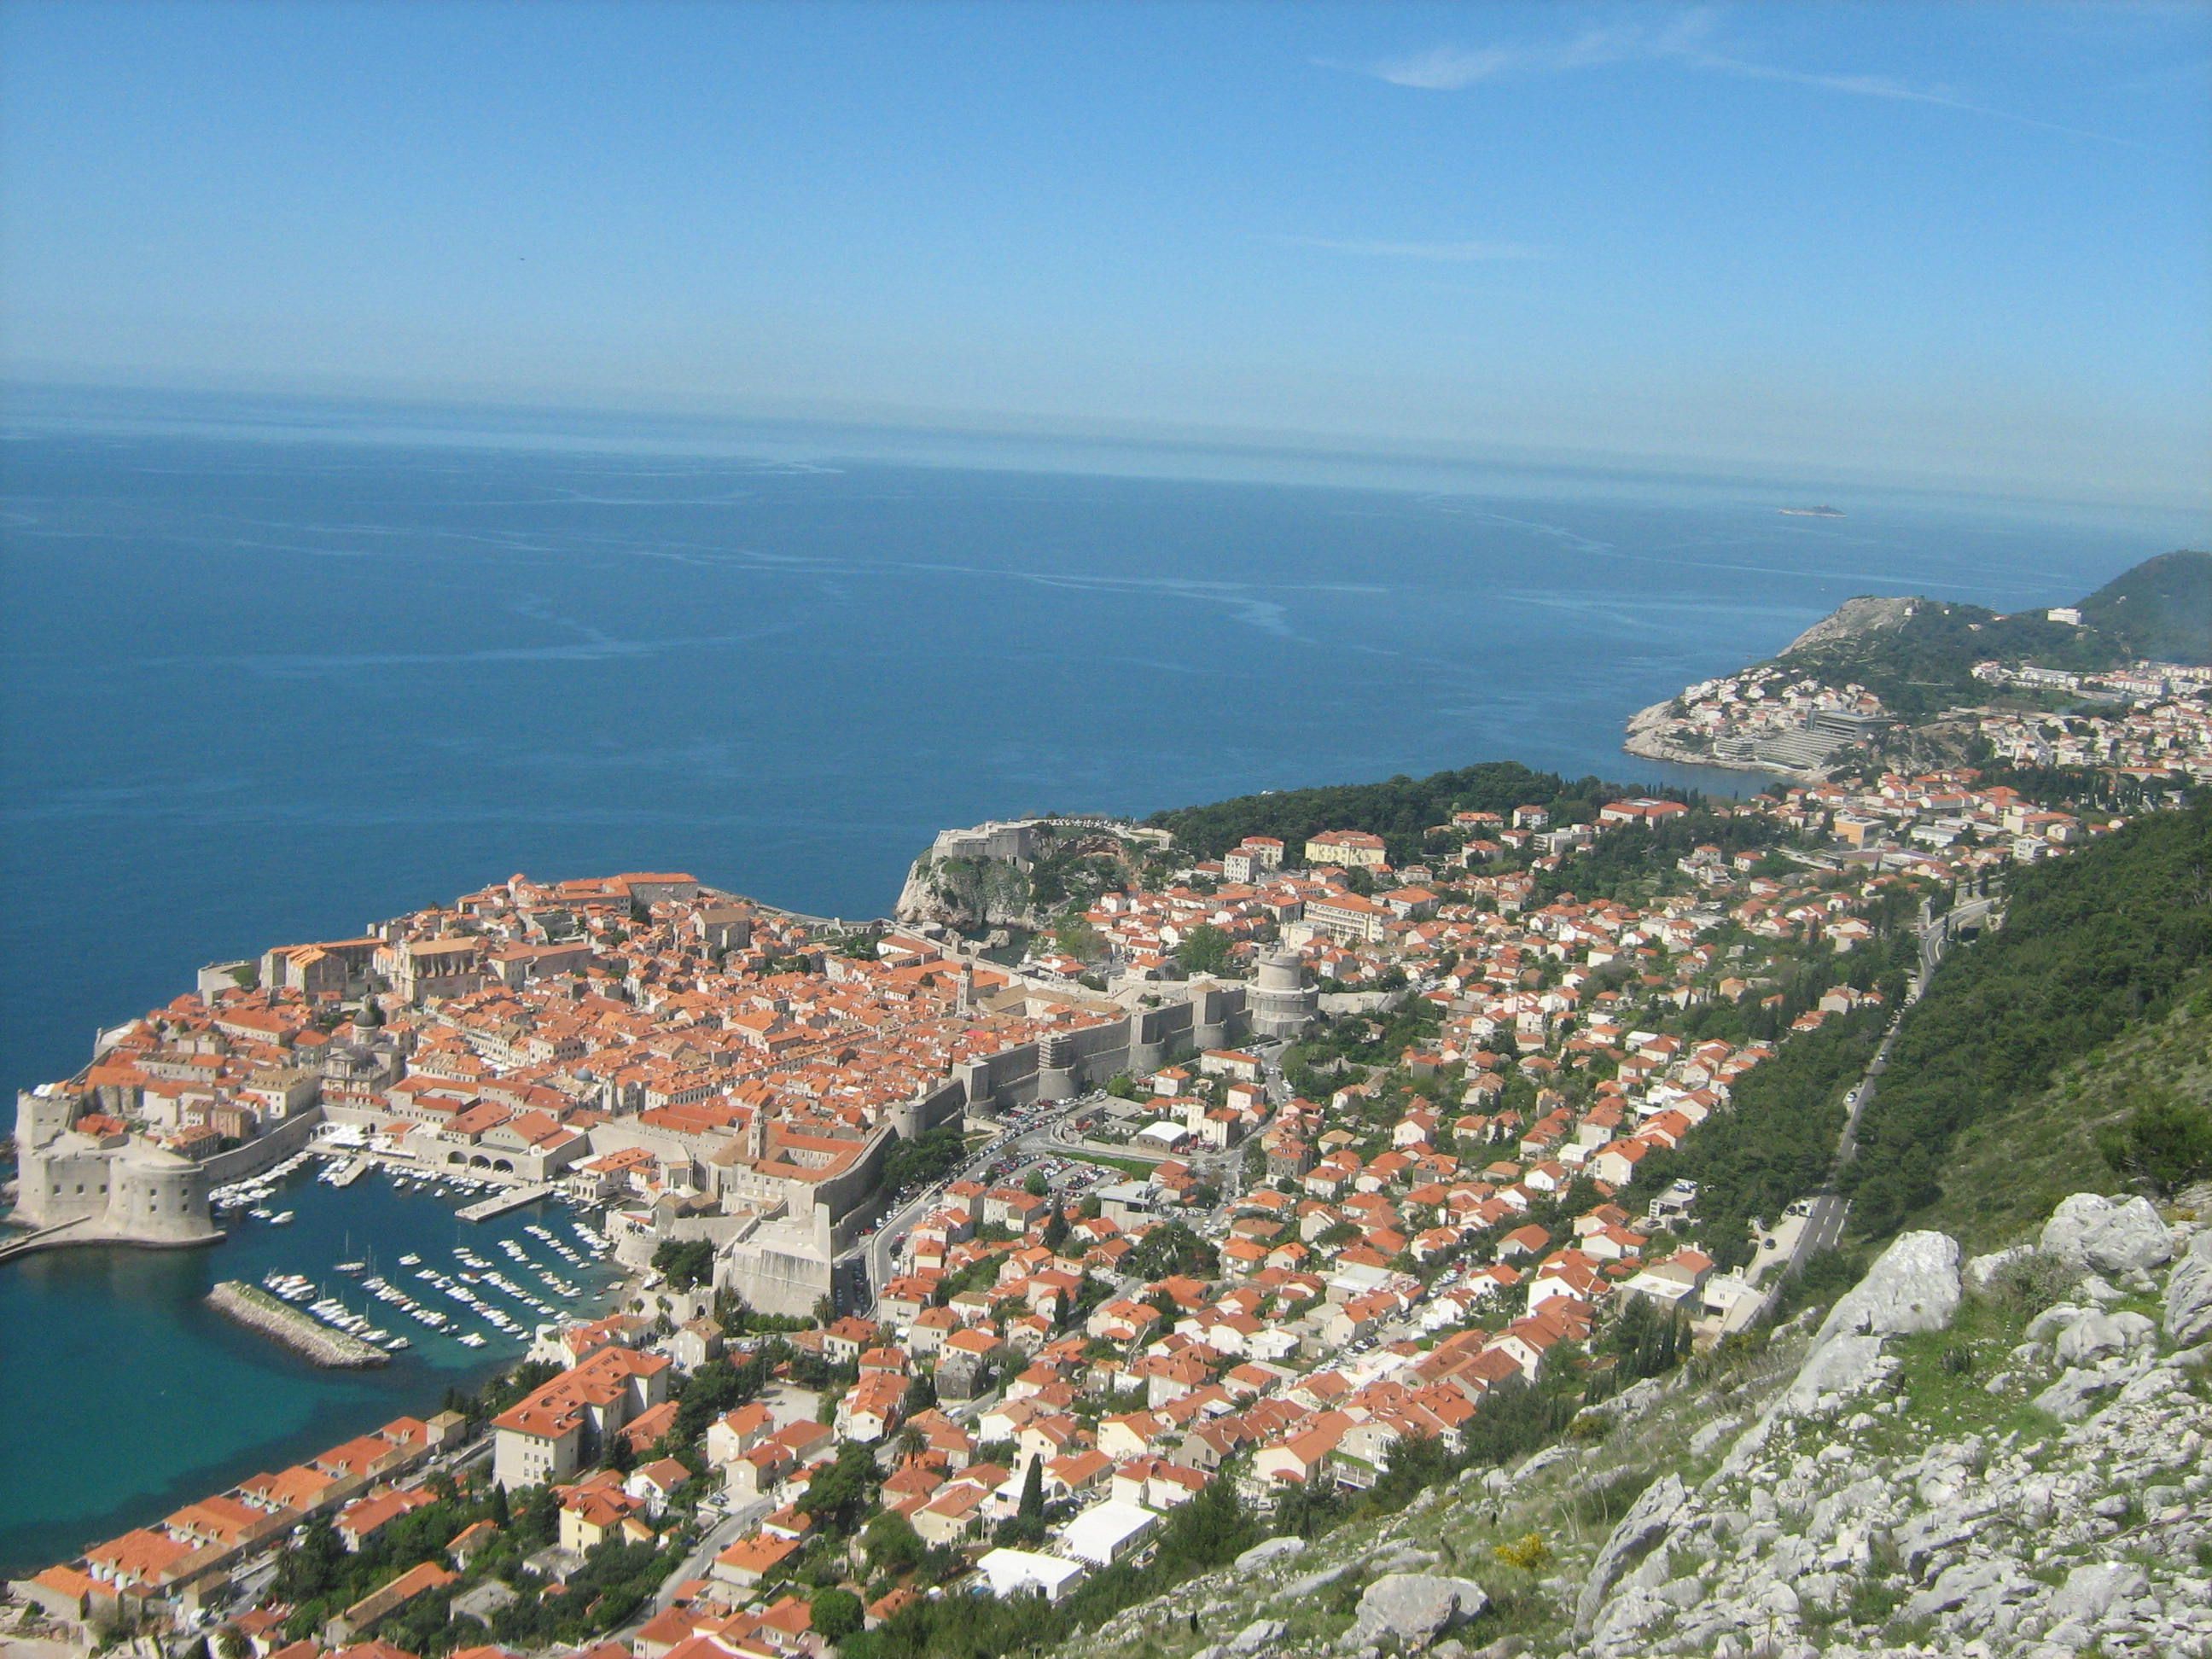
[1021, 874]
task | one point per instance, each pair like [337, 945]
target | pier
[258, 1310]
[351, 1173]
[499, 1203]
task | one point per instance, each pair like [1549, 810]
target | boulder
[2096, 1334]
[1832, 1373]
[2069, 1399]
[1646, 1523]
[1413, 1607]
[1311, 1583]
[2189, 1295]
[1982, 1271]
[1261, 1636]
[2089, 1592]
[2093, 1232]
[1267, 1553]
[1914, 1286]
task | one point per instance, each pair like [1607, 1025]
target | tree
[1032, 1505]
[500, 1513]
[1035, 1184]
[836, 1614]
[1205, 949]
[1077, 937]
[892, 1544]
[1055, 1229]
[840, 1493]
[2165, 1142]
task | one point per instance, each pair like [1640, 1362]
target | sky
[1944, 245]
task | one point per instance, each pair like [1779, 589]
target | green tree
[1032, 1503]
[836, 1614]
[2165, 1142]
[892, 1544]
[1205, 949]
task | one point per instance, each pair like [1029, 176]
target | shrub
[1527, 1553]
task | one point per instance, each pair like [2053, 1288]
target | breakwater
[258, 1310]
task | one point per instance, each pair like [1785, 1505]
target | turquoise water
[127, 1395]
[271, 678]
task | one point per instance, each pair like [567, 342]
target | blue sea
[274, 672]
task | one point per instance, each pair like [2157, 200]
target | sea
[273, 671]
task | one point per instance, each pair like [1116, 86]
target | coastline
[1640, 742]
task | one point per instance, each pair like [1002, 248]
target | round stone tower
[1282, 1004]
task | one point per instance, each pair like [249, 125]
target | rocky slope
[2005, 1455]
[1865, 615]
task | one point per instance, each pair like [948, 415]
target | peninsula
[2115, 680]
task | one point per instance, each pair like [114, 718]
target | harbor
[254, 1403]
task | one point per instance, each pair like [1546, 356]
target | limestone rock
[2092, 1231]
[1270, 1552]
[1641, 1528]
[1261, 1636]
[2189, 1295]
[2096, 1334]
[1914, 1286]
[2090, 1591]
[1982, 1271]
[1414, 1609]
[1834, 1372]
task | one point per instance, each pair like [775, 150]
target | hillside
[2013, 1165]
[2101, 947]
[2162, 608]
[1400, 809]
[1987, 1456]
[1918, 655]
[1923, 663]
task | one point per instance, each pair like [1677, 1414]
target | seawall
[281, 1322]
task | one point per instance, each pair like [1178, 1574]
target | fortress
[85, 1171]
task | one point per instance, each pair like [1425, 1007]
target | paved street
[1824, 1222]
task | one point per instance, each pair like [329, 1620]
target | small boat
[282, 1219]
[410, 1260]
[353, 1266]
[471, 1340]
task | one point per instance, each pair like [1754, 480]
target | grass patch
[1135, 1168]
[1944, 1375]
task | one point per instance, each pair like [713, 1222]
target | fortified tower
[1281, 1002]
[1058, 1063]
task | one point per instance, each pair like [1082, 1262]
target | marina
[255, 1400]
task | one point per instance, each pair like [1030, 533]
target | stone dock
[302, 1333]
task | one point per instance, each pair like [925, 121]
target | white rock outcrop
[1412, 1608]
[2094, 1232]
[1894, 1527]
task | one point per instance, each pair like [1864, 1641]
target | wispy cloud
[1457, 253]
[1687, 41]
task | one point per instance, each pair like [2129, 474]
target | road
[716, 1538]
[1824, 1221]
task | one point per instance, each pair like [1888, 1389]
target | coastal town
[2145, 717]
[1260, 1182]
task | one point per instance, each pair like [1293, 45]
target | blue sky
[1952, 244]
